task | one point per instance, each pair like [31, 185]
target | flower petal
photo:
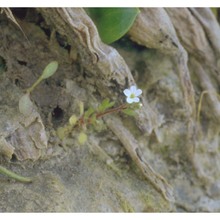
[138, 92]
[127, 92]
[136, 99]
[133, 89]
[129, 100]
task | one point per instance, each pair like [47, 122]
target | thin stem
[14, 175]
[29, 90]
[81, 120]
[113, 110]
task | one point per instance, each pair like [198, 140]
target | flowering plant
[91, 116]
[88, 117]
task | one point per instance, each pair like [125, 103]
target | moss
[154, 203]
[124, 203]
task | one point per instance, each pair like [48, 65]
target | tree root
[131, 145]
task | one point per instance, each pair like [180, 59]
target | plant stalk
[14, 175]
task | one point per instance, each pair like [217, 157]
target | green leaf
[102, 106]
[72, 120]
[82, 138]
[62, 132]
[110, 104]
[112, 23]
[105, 105]
[25, 105]
[49, 70]
[89, 112]
[93, 119]
[129, 112]
[81, 108]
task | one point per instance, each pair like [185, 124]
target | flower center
[132, 96]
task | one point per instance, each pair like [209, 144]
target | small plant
[91, 116]
[26, 107]
[25, 103]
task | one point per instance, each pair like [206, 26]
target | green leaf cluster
[90, 117]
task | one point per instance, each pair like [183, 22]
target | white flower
[132, 94]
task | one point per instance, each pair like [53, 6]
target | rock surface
[179, 145]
